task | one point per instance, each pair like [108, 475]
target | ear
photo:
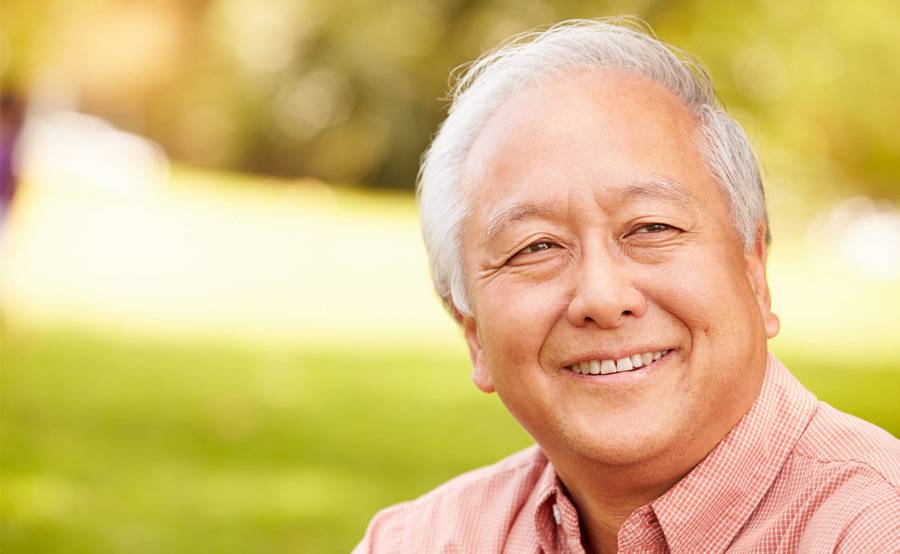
[756, 273]
[481, 375]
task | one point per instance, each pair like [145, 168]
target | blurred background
[218, 331]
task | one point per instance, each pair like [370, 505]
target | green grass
[114, 445]
[111, 446]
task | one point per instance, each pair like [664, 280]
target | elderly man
[596, 223]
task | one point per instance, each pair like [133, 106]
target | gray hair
[622, 43]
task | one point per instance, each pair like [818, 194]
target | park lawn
[111, 444]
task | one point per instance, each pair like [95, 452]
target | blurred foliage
[350, 91]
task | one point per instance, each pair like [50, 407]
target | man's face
[597, 233]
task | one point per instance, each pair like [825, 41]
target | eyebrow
[512, 213]
[661, 188]
[658, 187]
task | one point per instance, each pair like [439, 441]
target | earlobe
[481, 375]
[756, 274]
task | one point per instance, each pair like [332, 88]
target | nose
[604, 294]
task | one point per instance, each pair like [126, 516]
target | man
[596, 223]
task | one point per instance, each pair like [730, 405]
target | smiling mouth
[628, 363]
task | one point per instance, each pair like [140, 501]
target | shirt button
[557, 515]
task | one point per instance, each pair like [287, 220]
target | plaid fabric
[794, 475]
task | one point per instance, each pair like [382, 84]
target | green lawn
[110, 446]
[115, 445]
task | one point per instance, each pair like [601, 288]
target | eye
[652, 233]
[653, 228]
[532, 249]
[537, 247]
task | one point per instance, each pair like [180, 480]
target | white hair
[623, 43]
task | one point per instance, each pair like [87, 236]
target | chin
[620, 448]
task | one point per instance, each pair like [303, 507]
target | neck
[607, 497]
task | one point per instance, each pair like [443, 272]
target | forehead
[599, 127]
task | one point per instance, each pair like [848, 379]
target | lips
[607, 366]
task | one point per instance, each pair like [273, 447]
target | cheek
[717, 309]
[515, 322]
[709, 296]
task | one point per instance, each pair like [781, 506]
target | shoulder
[847, 473]
[841, 442]
[473, 505]
[862, 514]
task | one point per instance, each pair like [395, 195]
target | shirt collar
[706, 509]
[555, 517]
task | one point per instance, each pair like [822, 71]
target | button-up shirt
[794, 475]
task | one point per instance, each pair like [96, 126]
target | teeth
[605, 367]
[624, 364]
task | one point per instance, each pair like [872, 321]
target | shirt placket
[642, 533]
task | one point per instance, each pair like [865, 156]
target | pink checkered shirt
[794, 475]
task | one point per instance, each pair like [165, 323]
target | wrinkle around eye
[536, 253]
[654, 246]
[503, 256]
[528, 265]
